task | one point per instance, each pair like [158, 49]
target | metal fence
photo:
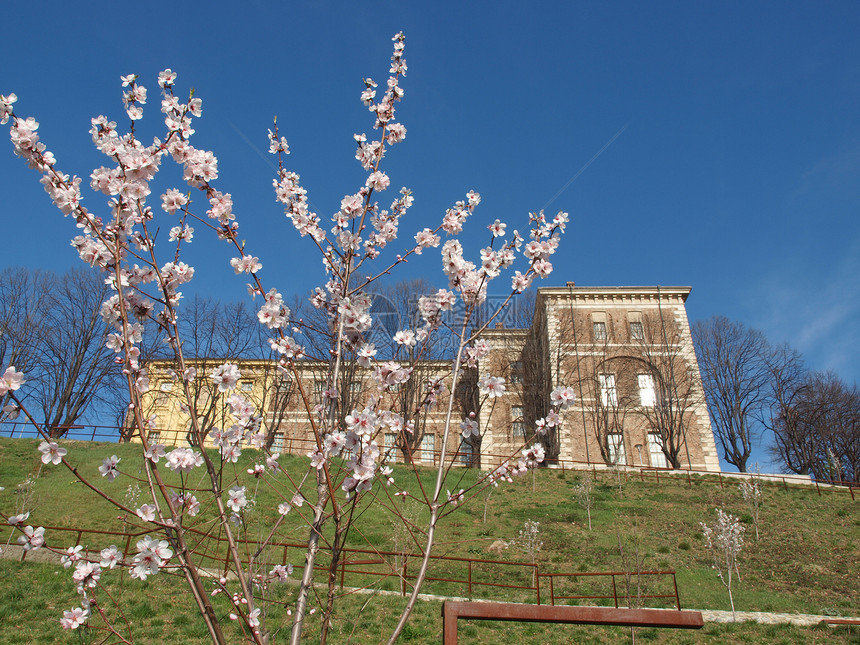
[447, 575]
[489, 461]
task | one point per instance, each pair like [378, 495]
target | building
[628, 354]
[626, 351]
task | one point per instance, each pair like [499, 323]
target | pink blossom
[109, 557]
[109, 467]
[317, 459]
[146, 512]
[86, 574]
[497, 228]
[236, 499]
[563, 397]
[226, 376]
[246, 264]
[166, 78]
[365, 354]
[378, 181]
[6, 107]
[492, 386]
[11, 380]
[150, 557]
[74, 618]
[72, 555]
[183, 460]
[173, 200]
[51, 452]
[32, 538]
[15, 520]
[469, 428]
[405, 337]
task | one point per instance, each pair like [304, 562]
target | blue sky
[736, 170]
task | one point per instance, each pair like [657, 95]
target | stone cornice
[615, 294]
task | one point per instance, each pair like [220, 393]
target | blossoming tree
[347, 465]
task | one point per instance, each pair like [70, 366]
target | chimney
[571, 284]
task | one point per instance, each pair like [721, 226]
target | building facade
[626, 351]
[628, 354]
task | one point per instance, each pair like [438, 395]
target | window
[637, 332]
[466, 453]
[355, 389]
[617, 453]
[647, 397]
[278, 442]
[655, 450]
[518, 425]
[166, 386]
[390, 446]
[608, 393]
[598, 318]
[247, 386]
[516, 371]
[153, 437]
[161, 398]
[428, 446]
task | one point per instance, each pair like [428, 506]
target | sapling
[632, 555]
[751, 492]
[584, 493]
[725, 540]
[529, 541]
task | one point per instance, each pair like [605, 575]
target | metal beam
[452, 611]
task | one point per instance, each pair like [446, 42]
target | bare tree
[24, 303]
[792, 446]
[828, 423]
[51, 327]
[662, 353]
[735, 366]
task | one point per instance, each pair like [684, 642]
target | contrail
[267, 158]
[264, 157]
[590, 161]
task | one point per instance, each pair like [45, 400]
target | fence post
[470, 579]
[403, 577]
[537, 582]
[551, 591]
[614, 591]
[817, 488]
[677, 597]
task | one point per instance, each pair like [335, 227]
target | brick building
[628, 354]
[626, 351]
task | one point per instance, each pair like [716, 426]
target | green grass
[808, 558]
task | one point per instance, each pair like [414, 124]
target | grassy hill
[807, 559]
